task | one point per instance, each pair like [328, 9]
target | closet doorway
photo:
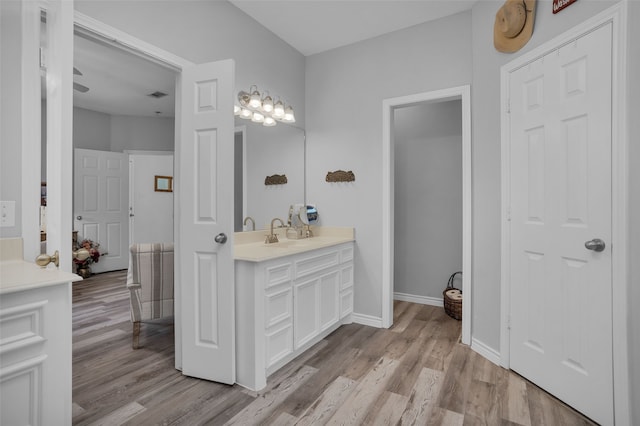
[426, 199]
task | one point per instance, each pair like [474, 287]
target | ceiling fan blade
[76, 71]
[80, 88]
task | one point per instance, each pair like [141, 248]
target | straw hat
[514, 25]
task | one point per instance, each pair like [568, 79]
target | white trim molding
[486, 351]
[617, 15]
[422, 300]
[369, 320]
[462, 93]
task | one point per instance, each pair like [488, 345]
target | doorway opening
[458, 98]
[427, 140]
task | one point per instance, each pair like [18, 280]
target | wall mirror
[261, 152]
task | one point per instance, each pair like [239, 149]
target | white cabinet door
[329, 299]
[306, 310]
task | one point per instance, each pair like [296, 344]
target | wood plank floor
[414, 373]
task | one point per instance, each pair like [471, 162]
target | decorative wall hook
[340, 176]
[275, 180]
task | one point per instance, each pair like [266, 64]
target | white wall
[427, 142]
[153, 220]
[10, 111]
[345, 88]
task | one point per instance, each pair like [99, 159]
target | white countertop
[250, 246]
[18, 275]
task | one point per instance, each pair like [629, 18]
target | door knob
[79, 217]
[44, 259]
[221, 238]
[596, 244]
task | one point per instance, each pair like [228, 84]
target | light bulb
[236, 110]
[278, 110]
[255, 101]
[269, 121]
[257, 117]
[288, 115]
[245, 113]
[267, 104]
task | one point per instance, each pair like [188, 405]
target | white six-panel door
[205, 200]
[100, 205]
[560, 173]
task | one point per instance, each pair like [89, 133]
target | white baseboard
[486, 351]
[367, 320]
[423, 300]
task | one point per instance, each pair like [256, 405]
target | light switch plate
[7, 213]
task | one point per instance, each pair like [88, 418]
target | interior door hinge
[509, 214]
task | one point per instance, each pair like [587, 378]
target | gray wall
[91, 130]
[117, 133]
[428, 197]
[634, 202]
[345, 88]
[142, 133]
[10, 106]
[204, 31]
[485, 104]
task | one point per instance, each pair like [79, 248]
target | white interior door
[100, 205]
[560, 308]
[150, 211]
[205, 185]
[59, 130]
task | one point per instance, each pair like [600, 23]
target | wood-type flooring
[415, 373]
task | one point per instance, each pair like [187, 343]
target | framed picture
[163, 184]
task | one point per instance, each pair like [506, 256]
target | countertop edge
[292, 251]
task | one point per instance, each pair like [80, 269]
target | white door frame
[617, 15]
[462, 93]
[139, 47]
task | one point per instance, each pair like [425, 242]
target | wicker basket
[453, 299]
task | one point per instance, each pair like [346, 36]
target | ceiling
[314, 26]
[119, 82]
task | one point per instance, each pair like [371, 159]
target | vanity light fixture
[262, 109]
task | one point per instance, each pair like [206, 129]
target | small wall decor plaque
[163, 184]
[275, 180]
[340, 176]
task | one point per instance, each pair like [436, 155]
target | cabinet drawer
[278, 307]
[278, 274]
[21, 326]
[346, 254]
[311, 264]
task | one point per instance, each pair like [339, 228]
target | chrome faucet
[273, 238]
[253, 222]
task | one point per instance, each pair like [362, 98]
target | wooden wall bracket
[275, 180]
[340, 176]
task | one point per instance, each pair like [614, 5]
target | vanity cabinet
[35, 345]
[287, 304]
